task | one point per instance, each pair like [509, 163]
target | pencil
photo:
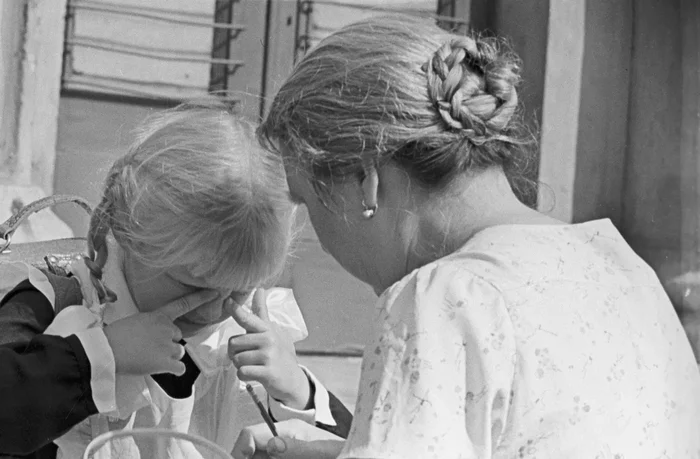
[266, 416]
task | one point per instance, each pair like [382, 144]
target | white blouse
[529, 342]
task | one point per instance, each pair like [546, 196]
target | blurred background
[613, 88]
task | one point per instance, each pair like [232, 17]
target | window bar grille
[304, 11]
[152, 13]
[221, 46]
[380, 9]
[446, 8]
[225, 30]
[444, 15]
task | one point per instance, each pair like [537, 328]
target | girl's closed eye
[152, 288]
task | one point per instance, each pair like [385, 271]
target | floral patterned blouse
[529, 342]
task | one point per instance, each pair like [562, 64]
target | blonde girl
[195, 205]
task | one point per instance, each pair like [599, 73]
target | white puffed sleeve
[436, 382]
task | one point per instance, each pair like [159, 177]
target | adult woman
[500, 332]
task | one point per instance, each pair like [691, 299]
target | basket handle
[149, 432]
[11, 224]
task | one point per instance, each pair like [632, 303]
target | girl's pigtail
[97, 248]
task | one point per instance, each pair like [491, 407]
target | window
[161, 49]
[319, 18]
[175, 50]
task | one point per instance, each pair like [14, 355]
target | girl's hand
[264, 356]
[297, 440]
[148, 343]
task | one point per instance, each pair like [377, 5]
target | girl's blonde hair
[196, 191]
[400, 88]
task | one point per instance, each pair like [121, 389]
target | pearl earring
[368, 211]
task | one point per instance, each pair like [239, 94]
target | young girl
[500, 332]
[45, 381]
[195, 205]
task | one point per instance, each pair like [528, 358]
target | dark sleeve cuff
[341, 415]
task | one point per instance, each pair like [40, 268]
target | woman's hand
[264, 356]
[297, 440]
[148, 343]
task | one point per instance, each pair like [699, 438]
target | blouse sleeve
[437, 380]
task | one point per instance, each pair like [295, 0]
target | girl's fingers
[238, 298]
[249, 321]
[249, 358]
[177, 334]
[252, 373]
[230, 306]
[260, 305]
[247, 342]
[178, 351]
[187, 303]
[176, 367]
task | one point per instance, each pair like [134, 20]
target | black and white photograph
[350, 229]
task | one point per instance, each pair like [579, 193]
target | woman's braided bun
[473, 88]
[400, 89]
